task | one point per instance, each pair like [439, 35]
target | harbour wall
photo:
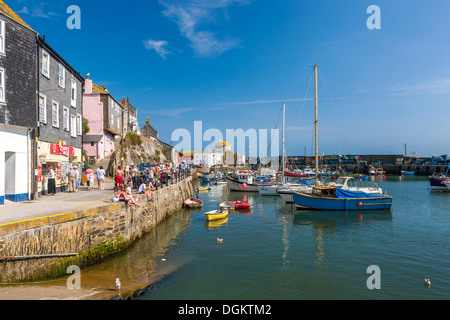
[92, 234]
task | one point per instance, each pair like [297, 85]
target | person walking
[90, 179]
[72, 177]
[51, 181]
[101, 178]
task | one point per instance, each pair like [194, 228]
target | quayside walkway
[60, 203]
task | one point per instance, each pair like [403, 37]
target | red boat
[240, 204]
[291, 174]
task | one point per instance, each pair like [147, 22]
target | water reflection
[324, 223]
[216, 224]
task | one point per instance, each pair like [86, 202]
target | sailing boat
[284, 189]
[331, 197]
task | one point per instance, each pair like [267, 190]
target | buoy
[244, 185]
[359, 204]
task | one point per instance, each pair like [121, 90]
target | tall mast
[284, 141]
[316, 125]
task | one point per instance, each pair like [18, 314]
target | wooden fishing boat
[216, 214]
[332, 198]
[193, 203]
[240, 204]
[228, 206]
[335, 197]
[204, 188]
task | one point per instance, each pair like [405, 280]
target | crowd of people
[145, 180]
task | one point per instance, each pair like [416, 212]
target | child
[90, 178]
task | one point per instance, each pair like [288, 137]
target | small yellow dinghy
[216, 214]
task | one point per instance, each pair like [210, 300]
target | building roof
[92, 138]
[223, 143]
[99, 89]
[10, 13]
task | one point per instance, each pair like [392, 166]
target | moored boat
[240, 204]
[332, 198]
[193, 203]
[226, 205]
[216, 214]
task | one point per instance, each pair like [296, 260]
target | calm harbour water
[275, 252]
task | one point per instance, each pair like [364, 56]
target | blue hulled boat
[331, 198]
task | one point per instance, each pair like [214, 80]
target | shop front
[60, 157]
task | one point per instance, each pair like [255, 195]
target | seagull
[163, 260]
[219, 240]
[426, 282]
[118, 284]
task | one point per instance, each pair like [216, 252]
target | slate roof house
[18, 111]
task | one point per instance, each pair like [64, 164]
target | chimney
[88, 85]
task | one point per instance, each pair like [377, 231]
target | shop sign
[64, 150]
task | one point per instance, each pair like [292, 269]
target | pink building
[98, 142]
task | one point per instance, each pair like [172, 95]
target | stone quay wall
[92, 234]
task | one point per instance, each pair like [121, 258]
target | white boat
[268, 190]
[349, 183]
[285, 191]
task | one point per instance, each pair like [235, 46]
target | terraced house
[60, 115]
[18, 112]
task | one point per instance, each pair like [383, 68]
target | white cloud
[190, 15]
[158, 46]
[434, 86]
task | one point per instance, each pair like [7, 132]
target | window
[112, 121]
[79, 124]
[73, 126]
[65, 118]
[42, 108]
[2, 85]
[2, 36]
[55, 114]
[74, 93]
[45, 64]
[62, 76]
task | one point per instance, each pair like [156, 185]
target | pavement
[61, 202]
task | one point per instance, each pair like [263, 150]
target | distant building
[18, 107]
[99, 142]
[131, 121]
[60, 115]
[148, 131]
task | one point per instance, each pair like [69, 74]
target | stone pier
[93, 234]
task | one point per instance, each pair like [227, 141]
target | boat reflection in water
[216, 224]
[324, 223]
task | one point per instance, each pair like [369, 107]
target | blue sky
[230, 64]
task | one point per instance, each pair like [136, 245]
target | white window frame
[55, 115]
[79, 124]
[62, 76]
[2, 86]
[66, 119]
[43, 107]
[73, 93]
[111, 121]
[2, 37]
[45, 63]
[73, 126]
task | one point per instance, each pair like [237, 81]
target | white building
[221, 154]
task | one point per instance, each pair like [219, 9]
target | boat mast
[283, 158]
[316, 125]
